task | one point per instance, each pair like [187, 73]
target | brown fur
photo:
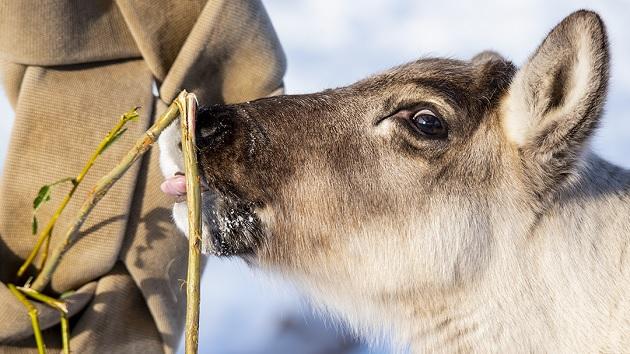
[508, 235]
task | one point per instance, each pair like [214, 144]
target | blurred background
[332, 43]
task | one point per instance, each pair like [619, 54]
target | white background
[331, 43]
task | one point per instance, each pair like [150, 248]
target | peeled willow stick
[187, 104]
[98, 192]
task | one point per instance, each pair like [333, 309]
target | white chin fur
[180, 216]
[172, 161]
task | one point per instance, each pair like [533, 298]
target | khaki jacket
[70, 68]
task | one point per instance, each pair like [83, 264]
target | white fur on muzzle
[172, 163]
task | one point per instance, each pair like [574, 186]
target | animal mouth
[175, 187]
[233, 228]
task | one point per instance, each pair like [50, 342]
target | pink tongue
[174, 186]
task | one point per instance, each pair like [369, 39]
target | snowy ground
[331, 43]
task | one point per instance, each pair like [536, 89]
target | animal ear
[487, 56]
[555, 100]
[494, 74]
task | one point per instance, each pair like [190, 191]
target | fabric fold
[70, 69]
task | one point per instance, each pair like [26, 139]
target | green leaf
[34, 225]
[45, 191]
[42, 196]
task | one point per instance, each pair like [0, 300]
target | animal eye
[429, 124]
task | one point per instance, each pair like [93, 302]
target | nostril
[215, 126]
[213, 133]
[209, 132]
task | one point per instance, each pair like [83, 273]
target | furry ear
[487, 56]
[555, 100]
[494, 74]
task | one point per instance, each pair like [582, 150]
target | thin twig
[65, 333]
[44, 235]
[187, 104]
[57, 305]
[44, 257]
[32, 312]
[50, 301]
[98, 192]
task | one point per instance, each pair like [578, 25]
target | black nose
[215, 126]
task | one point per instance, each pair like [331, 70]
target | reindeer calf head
[407, 180]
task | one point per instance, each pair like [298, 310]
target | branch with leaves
[98, 192]
[186, 107]
[45, 192]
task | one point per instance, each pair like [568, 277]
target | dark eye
[429, 124]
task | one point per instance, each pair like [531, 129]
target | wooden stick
[98, 192]
[65, 333]
[187, 104]
[50, 301]
[32, 313]
[58, 305]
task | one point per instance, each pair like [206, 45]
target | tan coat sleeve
[70, 68]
